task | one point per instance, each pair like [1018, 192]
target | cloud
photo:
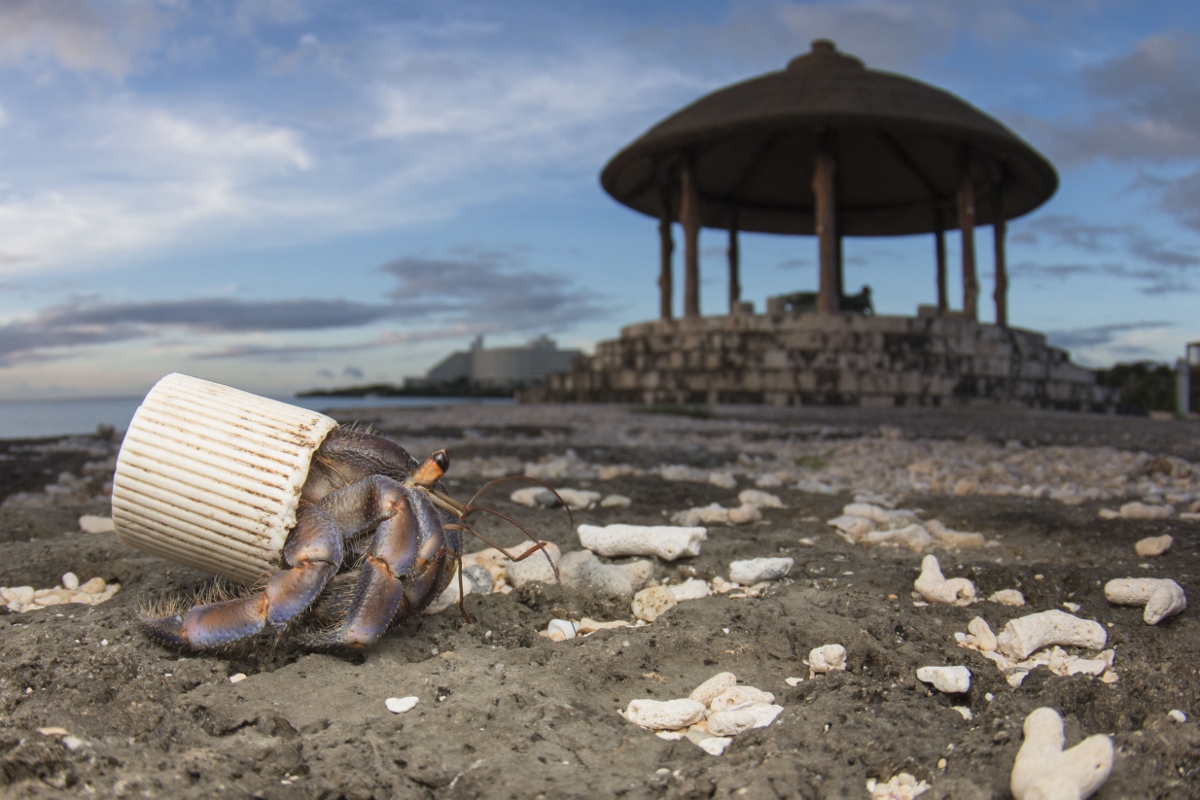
[167, 176]
[479, 102]
[78, 35]
[1150, 111]
[490, 291]
[1124, 251]
[474, 292]
[1106, 344]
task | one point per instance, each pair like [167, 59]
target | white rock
[675, 472]
[901, 787]
[533, 568]
[237, 677]
[1142, 511]
[756, 570]
[89, 523]
[714, 745]
[826, 658]
[965, 712]
[579, 499]
[398, 705]
[739, 696]
[713, 687]
[652, 602]
[1162, 597]
[1031, 633]
[951, 680]
[754, 497]
[953, 538]
[1007, 597]
[582, 568]
[1044, 771]
[70, 581]
[913, 536]
[722, 479]
[1109, 513]
[854, 527]
[616, 501]
[744, 515]
[1153, 546]
[94, 586]
[665, 542]
[981, 635]
[731, 722]
[533, 497]
[560, 630]
[711, 514]
[935, 588]
[1177, 715]
[669, 715]
[885, 518]
[691, 589]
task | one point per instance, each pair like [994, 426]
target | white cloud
[547, 110]
[78, 35]
[134, 179]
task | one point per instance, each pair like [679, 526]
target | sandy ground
[504, 712]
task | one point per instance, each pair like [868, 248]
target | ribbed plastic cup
[210, 476]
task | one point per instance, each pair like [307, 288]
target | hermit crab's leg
[313, 552]
[404, 569]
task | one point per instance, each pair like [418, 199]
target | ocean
[31, 419]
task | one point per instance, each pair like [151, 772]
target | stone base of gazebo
[827, 359]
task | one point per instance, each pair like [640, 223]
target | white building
[503, 366]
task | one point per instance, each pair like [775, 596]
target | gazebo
[831, 148]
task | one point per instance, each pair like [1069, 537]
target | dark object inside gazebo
[831, 148]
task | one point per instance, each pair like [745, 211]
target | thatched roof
[901, 147]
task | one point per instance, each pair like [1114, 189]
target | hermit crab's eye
[442, 460]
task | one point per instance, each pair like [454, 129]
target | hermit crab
[284, 499]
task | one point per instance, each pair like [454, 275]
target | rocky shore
[862, 670]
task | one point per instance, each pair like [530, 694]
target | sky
[281, 194]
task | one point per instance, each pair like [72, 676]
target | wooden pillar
[998, 232]
[735, 283]
[689, 217]
[828, 294]
[966, 224]
[939, 243]
[666, 249]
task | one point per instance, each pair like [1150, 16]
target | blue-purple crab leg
[404, 569]
[313, 552]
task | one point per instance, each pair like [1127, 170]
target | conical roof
[901, 147]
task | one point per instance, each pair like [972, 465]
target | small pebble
[70, 581]
[652, 602]
[1154, 545]
[398, 705]
[759, 569]
[237, 678]
[1177, 715]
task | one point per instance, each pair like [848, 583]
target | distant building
[503, 366]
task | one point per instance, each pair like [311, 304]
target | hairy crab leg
[406, 566]
[313, 552]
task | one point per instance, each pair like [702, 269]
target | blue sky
[281, 194]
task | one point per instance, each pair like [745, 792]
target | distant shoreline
[391, 390]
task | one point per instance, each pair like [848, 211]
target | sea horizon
[70, 416]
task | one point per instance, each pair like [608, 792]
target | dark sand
[504, 712]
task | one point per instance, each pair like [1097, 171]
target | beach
[93, 708]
